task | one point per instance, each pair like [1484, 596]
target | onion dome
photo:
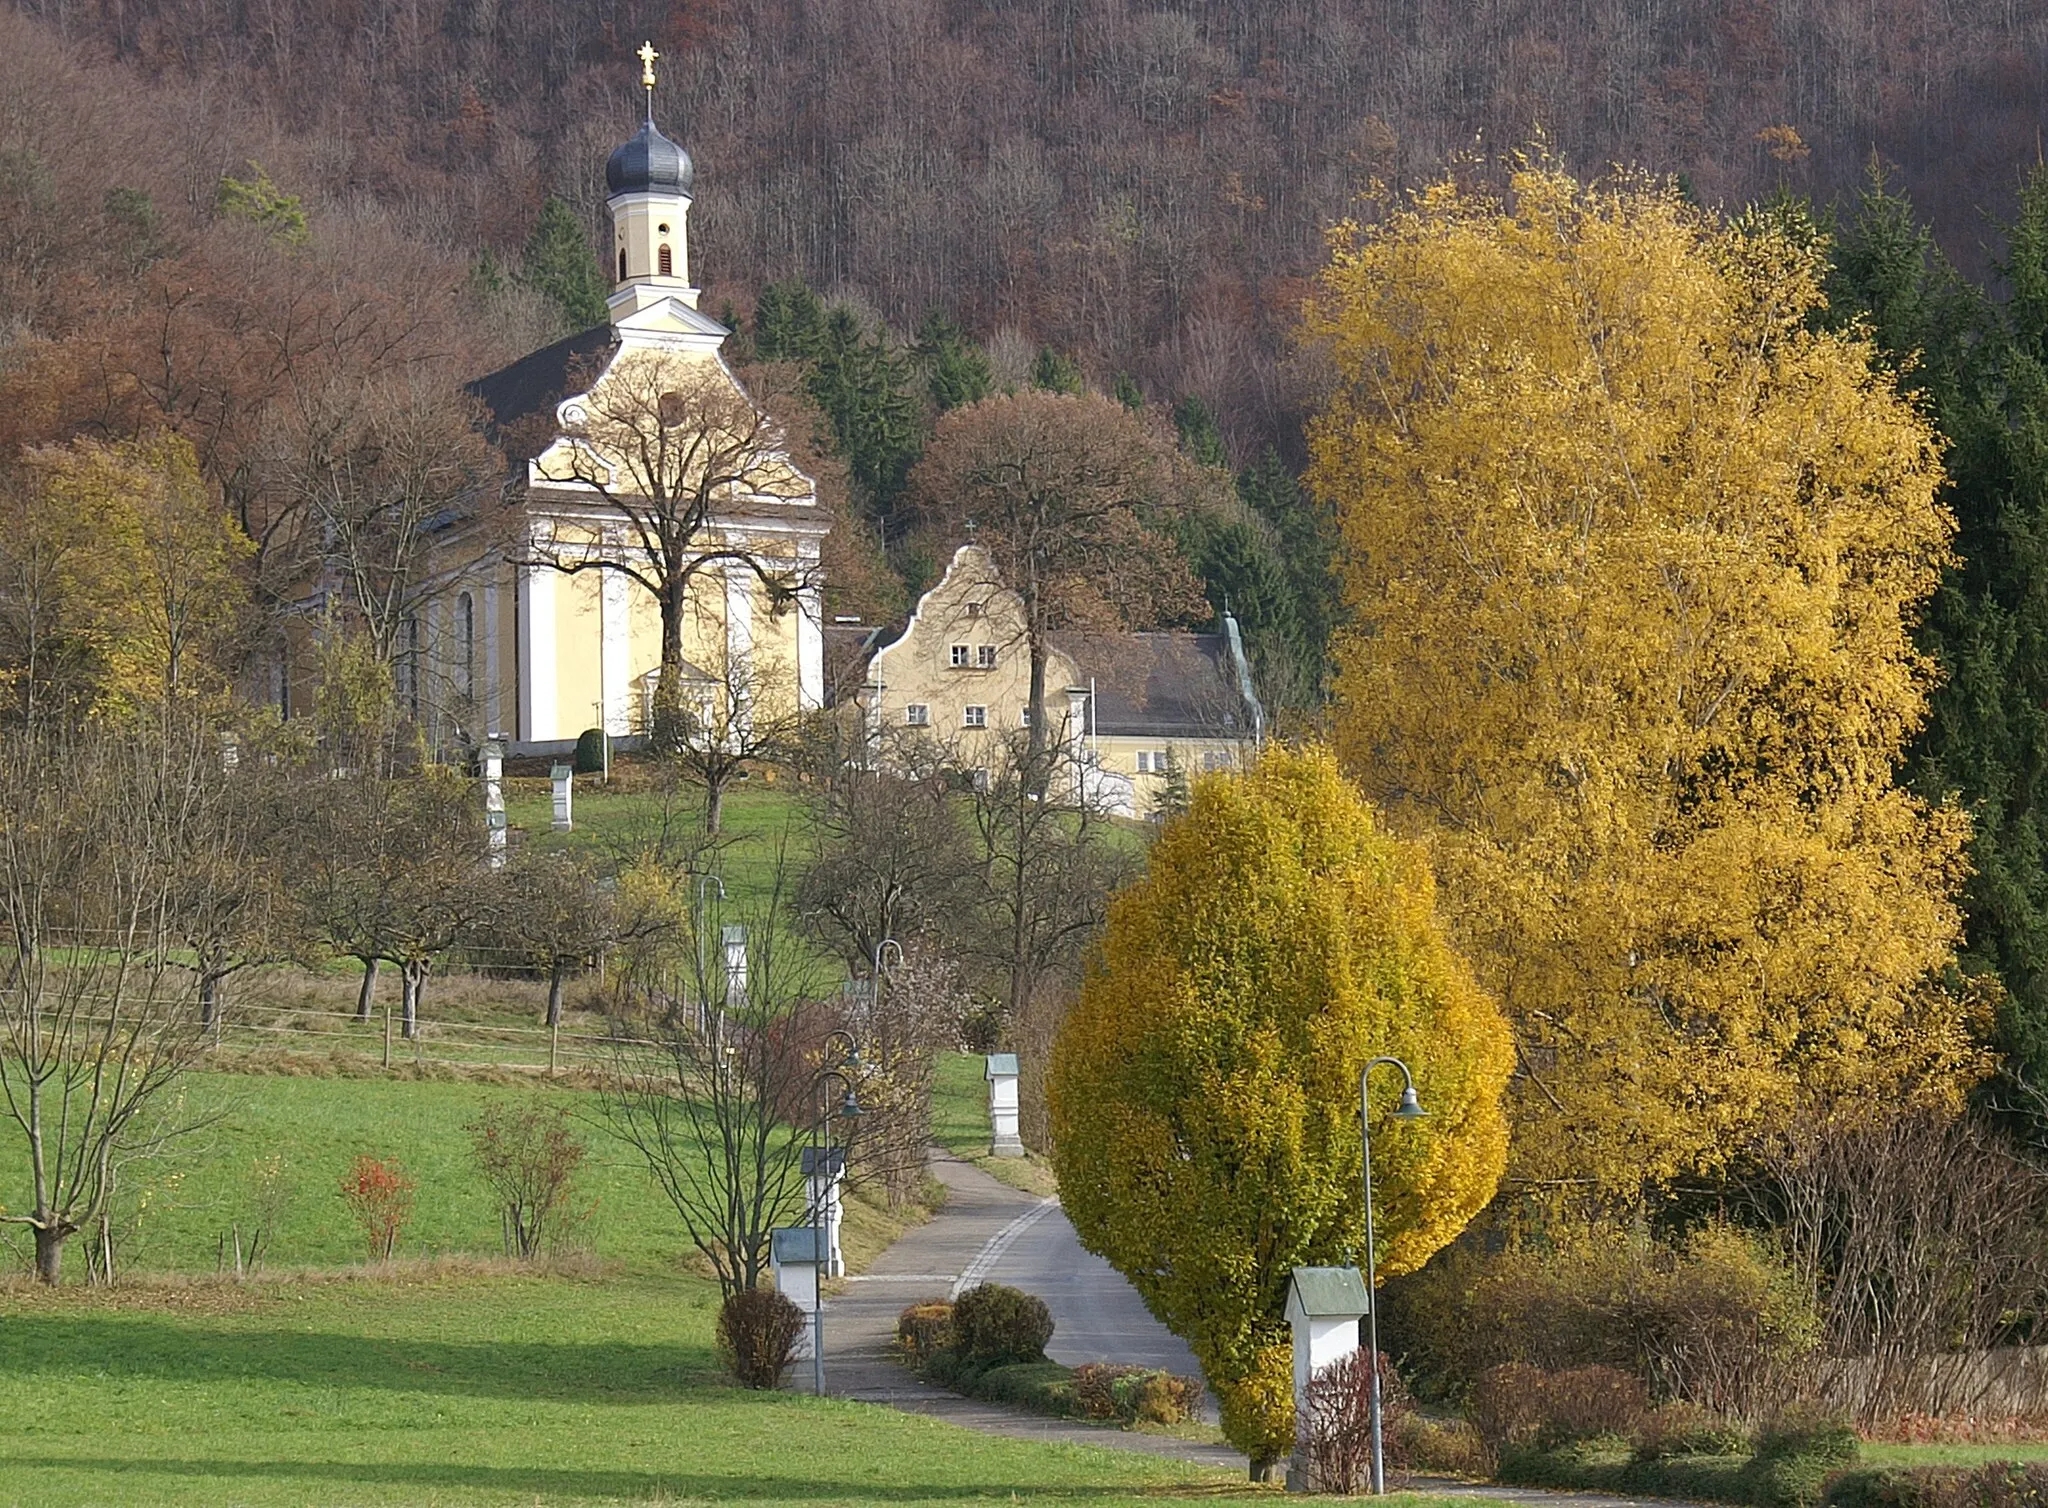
[649, 163]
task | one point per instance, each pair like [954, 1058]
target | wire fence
[442, 1043]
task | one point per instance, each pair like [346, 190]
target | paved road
[1096, 1315]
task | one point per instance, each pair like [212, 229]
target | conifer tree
[956, 371]
[559, 264]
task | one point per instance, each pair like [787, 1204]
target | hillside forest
[282, 230]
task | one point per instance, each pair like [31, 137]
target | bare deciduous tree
[1065, 496]
[96, 1020]
[667, 447]
[707, 1100]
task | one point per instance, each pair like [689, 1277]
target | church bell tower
[649, 180]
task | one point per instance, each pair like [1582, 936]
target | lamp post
[1409, 1109]
[703, 980]
[821, 1170]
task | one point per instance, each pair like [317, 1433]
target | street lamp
[1409, 1109]
[821, 1170]
[703, 986]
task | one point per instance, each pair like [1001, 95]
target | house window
[917, 715]
[1217, 759]
[976, 609]
[985, 656]
[1024, 717]
[960, 656]
[974, 717]
[1151, 761]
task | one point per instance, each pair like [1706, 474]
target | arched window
[622, 264]
[465, 643]
[668, 267]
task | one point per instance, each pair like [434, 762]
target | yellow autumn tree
[1204, 1089]
[158, 592]
[1633, 555]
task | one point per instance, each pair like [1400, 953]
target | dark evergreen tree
[559, 264]
[1055, 372]
[1982, 370]
[955, 370]
[1200, 439]
[789, 323]
[861, 386]
[1128, 393]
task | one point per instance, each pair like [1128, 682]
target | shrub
[529, 1156]
[993, 1324]
[1135, 1395]
[1518, 1405]
[923, 1330]
[1795, 1457]
[1718, 1320]
[1339, 1429]
[1996, 1484]
[589, 756]
[1448, 1447]
[1686, 1429]
[758, 1331]
[379, 1194]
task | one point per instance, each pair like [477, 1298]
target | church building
[661, 521]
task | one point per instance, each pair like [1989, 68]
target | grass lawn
[1885, 1453]
[473, 1390]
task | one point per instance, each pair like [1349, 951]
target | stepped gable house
[953, 687]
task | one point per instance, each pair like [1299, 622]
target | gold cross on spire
[647, 56]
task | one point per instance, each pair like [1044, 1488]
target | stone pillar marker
[1324, 1306]
[491, 756]
[793, 1257]
[822, 1178]
[1002, 1104]
[564, 776]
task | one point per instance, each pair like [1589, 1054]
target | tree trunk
[1262, 1468]
[668, 731]
[412, 986]
[366, 997]
[557, 977]
[714, 804]
[49, 1253]
[209, 997]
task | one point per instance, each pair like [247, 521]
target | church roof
[536, 382]
[649, 163]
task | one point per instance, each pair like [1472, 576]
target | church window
[668, 268]
[673, 409]
[663, 229]
[622, 264]
[465, 636]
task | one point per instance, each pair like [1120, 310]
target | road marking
[986, 1259]
[901, 1277]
